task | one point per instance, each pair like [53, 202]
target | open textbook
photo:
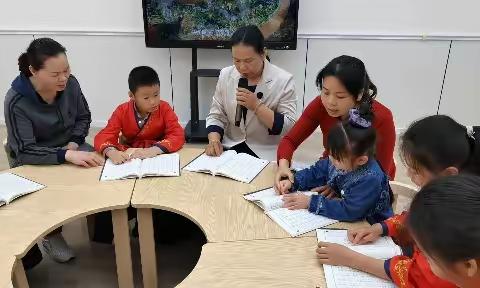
[13, 186]
[340, 277]
[161, 165]
[295, 222]
[237, 166]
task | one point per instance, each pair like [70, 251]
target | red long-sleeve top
[161, 129]
[409, 272]
[316, 115]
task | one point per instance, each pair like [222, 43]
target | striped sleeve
[21, 138]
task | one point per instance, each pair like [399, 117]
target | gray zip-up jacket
[37, 131]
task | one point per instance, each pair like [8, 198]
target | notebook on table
[343, 277]
[13, 186]
[237, 166]
[295, 222]
[162, 165]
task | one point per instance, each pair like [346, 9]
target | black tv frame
[212, 44]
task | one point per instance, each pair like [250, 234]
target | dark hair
[37, 53]
[355, 137]
[353, 75]
[250, 36]
[445, 220]
[142, 76]
[437, 142]
[352, 139]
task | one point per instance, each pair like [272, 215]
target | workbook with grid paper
[237, 166]
[295, 222]
[13, 186]
[344, 277]
[161, 165]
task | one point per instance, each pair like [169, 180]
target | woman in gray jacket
[47, 120]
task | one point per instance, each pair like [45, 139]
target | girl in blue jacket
[357, 187]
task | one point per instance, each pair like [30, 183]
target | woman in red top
[344, 84]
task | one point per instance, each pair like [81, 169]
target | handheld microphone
[242, 83]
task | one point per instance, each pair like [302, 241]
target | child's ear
[360, 96]
[362, 160]
[450, 171]
[130, 94]
[32, 70]
[468, 268]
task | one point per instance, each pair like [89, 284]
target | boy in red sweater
[143, 127]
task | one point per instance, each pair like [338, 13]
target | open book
[295, 222]
[161, 165]
[339, 276]
[13, 186]
[241, 167]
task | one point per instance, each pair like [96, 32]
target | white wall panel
[461, 94]
[11, 47]
[408, 73]
[102, 65]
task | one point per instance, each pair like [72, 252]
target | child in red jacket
[143, 127]
[452, 248]
[432, 147]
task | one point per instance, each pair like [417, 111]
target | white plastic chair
[403, 195]
[7, 152]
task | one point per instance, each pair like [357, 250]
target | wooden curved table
[215, 204]
[7, 262]
[72, 192]
[244, 245]
[289, 262]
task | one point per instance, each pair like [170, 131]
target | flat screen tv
[211, 23]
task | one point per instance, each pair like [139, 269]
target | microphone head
[243, 83]
[260, 95]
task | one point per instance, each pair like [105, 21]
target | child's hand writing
[334, 254]
[283, 172]
[365, 235]
[146, 153]
[326, 191]
[283, 187]
[117, 157]
[130, 151]
[296, 201]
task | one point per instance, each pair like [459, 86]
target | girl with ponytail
[344, 84]
[360, 188]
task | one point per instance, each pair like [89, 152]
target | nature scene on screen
[193, 20]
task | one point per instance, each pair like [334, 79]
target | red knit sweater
[315, 115]
[161, 129]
